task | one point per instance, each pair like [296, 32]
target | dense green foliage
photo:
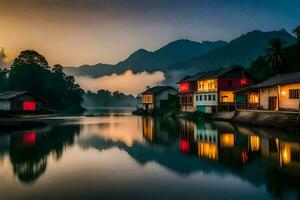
[31, 72]
[277, 59]
[105, 98]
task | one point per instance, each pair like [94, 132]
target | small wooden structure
[154, 97]
[20, 101]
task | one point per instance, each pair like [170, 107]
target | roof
[13, 94]
[158, 89]
[209, 74]
[280, 79]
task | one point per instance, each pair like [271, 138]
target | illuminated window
[253, 98]
[226, 97]
[29, 106]
[227, 140]
[254, 143]
[184, 87]
[244, 82]
[294, 94]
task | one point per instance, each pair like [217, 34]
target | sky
[77, 32]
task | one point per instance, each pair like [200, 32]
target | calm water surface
[128, 157]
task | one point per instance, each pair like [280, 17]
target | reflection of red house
[20, 101]
[29, 138]
[184, 146]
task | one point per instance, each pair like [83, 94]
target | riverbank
[272, 119]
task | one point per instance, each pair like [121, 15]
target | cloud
[128, 83]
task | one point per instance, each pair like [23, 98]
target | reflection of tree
[160, 130]
[29, 158]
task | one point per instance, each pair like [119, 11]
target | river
[120, 156]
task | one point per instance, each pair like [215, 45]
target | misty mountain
[240, 51]
[183, 57]
[143, 60]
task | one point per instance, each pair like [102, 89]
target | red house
[20, 101]
[212, 90]
[187, 88]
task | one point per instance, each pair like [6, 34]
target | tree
[260, 69]
[2, 56]
[31, 72]
[3, 79]
[275, 55]
[31, 57]
[296, 31]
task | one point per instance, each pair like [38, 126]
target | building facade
[281, 92]
[20, 101]
[213, 90]
[187, 87]
[153, 98]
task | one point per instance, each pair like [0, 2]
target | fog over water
[128, 83]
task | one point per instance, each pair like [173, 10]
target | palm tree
[296, 31]
[275, 54]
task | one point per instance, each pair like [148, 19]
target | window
[200, 97]
[229, 82]
[214, 97]
[209, 97]
[294, 94]
[205, 97]
[196, 97]
[191, 99]
[29, 106]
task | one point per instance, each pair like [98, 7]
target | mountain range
[184, 56]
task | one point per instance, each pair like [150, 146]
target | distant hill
[143, 60]
[240, 51]
[90, 70]
[183, 57]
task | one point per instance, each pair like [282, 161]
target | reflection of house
[187, 132]
[281, 153]
[154, 98]
[281, 92]
[158, 130]
[20, 101]
[213, 89]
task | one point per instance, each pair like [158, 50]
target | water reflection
[266, 159]
[28, 150]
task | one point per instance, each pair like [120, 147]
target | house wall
[205, 102]
[5, 105]
[285, 102]
[264, 94]
[189, 86]
[17, 103]
[164, 95]
[187, 102]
